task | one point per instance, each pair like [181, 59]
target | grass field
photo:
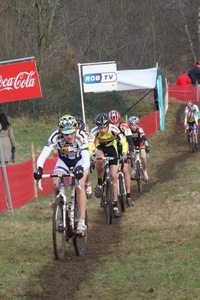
[151, 252]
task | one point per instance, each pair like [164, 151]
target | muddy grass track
[62, 279]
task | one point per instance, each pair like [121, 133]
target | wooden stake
[34, 168]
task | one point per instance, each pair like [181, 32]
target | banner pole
[81, 90]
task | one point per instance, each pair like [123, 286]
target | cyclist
[140, 140]
[105, 134]
[191, 119]
[115, 117]
[72, 146]
[88, 187]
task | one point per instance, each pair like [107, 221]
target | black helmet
[102, 120]
[80, 123]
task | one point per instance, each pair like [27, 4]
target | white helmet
[133, 120]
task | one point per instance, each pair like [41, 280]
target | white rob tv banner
[99, 77]
[105, 77]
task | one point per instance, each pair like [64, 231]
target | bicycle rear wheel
[108, 204]
[122, 193]
[58, 232]
[80, 242]
[139, 176]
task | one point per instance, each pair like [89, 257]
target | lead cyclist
[73, 152]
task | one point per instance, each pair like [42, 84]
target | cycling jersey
[109, 138]
[68, 153]
[139, 138]
[124, 128]
[191, 114]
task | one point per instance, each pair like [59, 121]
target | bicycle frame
[121, 187]
[192, 137]
[63, 211]
[107, 196]
[139, 175]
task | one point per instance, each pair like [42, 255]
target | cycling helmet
[102, 120]
[189, 103]
[114, 116]
[133, 120]
[67, 124]
[80, 123]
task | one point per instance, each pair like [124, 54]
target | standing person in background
[7, 138]
[183, 79]
[155, 94]
[194, 73]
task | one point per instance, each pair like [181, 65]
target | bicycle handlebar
[106, 158]
[39, 183]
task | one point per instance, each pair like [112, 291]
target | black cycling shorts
[109, 151]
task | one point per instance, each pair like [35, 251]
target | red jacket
[183, 79]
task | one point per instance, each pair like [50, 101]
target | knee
[56, 188]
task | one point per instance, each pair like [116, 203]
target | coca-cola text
[22, 80]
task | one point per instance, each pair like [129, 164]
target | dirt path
[63, 279]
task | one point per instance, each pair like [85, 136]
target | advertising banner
[136, 79]
[19, 81]
[99, 77]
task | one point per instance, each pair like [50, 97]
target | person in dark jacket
[194, 73]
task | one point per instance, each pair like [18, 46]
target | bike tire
[192, 142]
[58, 232]
[108, 204]
[139, 177]
[122, 194]
[79, 242]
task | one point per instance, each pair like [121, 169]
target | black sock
[128, 195]
[99, 181]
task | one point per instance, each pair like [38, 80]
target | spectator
[183, 79]
[155, 93]
[7, 138]
[194, 73]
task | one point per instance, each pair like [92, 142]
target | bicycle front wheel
[108, 189]
[139, 176]
[58, 232]
[80, 242]
[192, 141]
[122, 193]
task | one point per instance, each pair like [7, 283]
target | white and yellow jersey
[65, 150]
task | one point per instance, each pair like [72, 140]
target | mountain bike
[107, 194]
[121, 187]
[191, 138]
[65, 217]
[139, 175]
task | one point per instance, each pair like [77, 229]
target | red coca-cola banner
[19, 81]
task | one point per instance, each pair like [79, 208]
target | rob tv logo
[99, 77]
